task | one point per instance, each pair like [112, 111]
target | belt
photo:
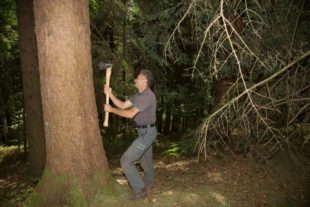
[145, 126]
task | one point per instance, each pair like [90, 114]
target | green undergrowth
[7, 151]
[183, 147]
[173, 145]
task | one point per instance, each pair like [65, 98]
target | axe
[108, 68]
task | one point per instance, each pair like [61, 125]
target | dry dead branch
[251, 108]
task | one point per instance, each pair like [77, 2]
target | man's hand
[108, 108]
[107, 90]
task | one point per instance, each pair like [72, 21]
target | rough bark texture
[31, 88]
[76, 165]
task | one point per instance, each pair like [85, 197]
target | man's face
[140, 81]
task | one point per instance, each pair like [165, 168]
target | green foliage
[116, 142]
[11, 96]
[156, 35]
[8, 31]
[183, 147]
[132, 35]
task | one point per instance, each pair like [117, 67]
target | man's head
[148, 75]
[144, 79]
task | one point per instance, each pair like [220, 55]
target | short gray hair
[149, 76]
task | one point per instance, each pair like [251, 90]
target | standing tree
[76, 166]
[31, 88]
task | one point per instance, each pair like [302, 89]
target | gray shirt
[146, 103]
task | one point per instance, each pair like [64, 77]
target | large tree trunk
[31, 88]
[76, 166]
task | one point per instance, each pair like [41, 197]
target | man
[142, 108]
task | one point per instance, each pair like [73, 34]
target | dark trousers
[140, 150]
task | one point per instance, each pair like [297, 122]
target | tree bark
[31, 88]
[76, 167]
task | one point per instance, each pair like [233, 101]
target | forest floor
[181, 181]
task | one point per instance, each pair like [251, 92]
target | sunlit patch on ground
[176, 198]
[122, 181]
[215, 176]
[182, 165]
[5, 151]
[219, 198]
[117, 171]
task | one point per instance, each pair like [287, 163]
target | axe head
[102, 66]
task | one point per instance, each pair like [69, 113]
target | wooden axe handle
[107, 83]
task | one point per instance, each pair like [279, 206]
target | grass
[6, 151]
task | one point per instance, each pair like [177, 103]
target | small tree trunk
[31, 88]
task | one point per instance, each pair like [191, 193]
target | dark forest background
[229, 74]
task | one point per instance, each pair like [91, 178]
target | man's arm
[118, 103]
[127, 113]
